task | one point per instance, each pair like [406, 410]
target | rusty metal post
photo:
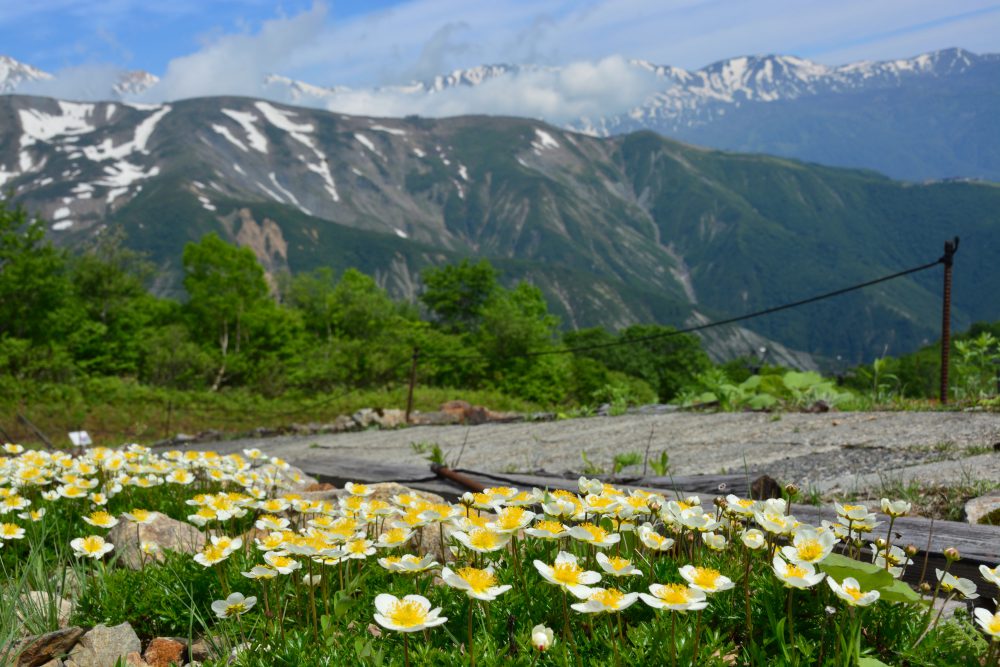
[413, 381]
[948, 259]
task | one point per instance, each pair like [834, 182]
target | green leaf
[868, 661]
[900, 591]
[869, 576]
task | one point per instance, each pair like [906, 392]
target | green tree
[456, 294]
[34, 286]
[227, 293]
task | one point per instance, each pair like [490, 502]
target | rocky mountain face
[618, 230]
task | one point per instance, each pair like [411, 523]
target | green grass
[115, 411]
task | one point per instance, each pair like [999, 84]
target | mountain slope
[619, 230]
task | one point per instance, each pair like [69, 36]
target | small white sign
[80, 438]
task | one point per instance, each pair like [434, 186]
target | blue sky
[377, 41]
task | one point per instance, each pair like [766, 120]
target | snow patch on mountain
[246, 120]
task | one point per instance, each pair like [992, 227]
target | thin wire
[698, 327]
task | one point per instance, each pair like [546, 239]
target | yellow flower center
[683, 505]
[706, 576]
[235, 609]
[597, 534]
[609, 597]
[9, 529]
[810, 550]
[853, 592]
[994, 624]
[395, 536]
[407, 614]
[92, 544]
[744, 502]
[358, 489]
[483, 539]
[357, 546]
[511, 518]
[566, 573]
[392, 560]
[795, 571]
[479, 580]
[281, 561]
[619, 564]
[673, 593]
[354, 503]
[549, 526]
[140, 515]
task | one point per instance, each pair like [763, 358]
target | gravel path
[823, 451]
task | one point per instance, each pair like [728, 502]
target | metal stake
[948, 259]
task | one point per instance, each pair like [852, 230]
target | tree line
[92, 313]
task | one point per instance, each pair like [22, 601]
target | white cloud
[86, 82]
[579, 89]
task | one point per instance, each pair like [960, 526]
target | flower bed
[378, 574]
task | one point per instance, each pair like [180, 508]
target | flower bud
[951, 553]
[911, 550]
[542, 637]
[880, 543]
[925, 588]
[791, 490]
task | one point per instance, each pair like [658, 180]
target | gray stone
[165, 532]
[364, 418]
[42, 649]
[978, 509]
[390, 418]
[103, 646]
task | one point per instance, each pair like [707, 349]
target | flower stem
[673, 639]
[614, 642]
[472, 650]
[406, 650]
[791, 621]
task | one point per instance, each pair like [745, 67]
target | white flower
[568, 575]
[990, 623]
[482, 540]
[676, 597]
[605, 600]
[477, 583]
[991, 575]
[850, 592]
[234, 605]
[595, 535]
[92, 546]
[260, 572]
[654, 540]
[895, 508]
[714, 541]
[796, 575]
[547, 530]
[542, 638]
[706, 579]
[963, 588]
[616, 567]
[408, 563]
[809, 546]
[281, 562]
[359, 489]
[411, 614]
[752, 538]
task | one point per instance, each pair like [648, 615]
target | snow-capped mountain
[693, 98]
[13, 73]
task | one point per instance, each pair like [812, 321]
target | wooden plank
[690, 483]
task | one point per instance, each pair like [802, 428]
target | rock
[42, 649]
[135, 660]
[165, 651]
[344, 423]
[103, 646]
[984, 509]
[433, 418]
[55, 662]
[200, 651]
[465, 412]
[392, 418]
[457, 408]
[765, 487]
[38, 605]
[364, 418]
[165, 532]
[504, 417]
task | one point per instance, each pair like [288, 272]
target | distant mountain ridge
[617, 230]
[932, 116]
